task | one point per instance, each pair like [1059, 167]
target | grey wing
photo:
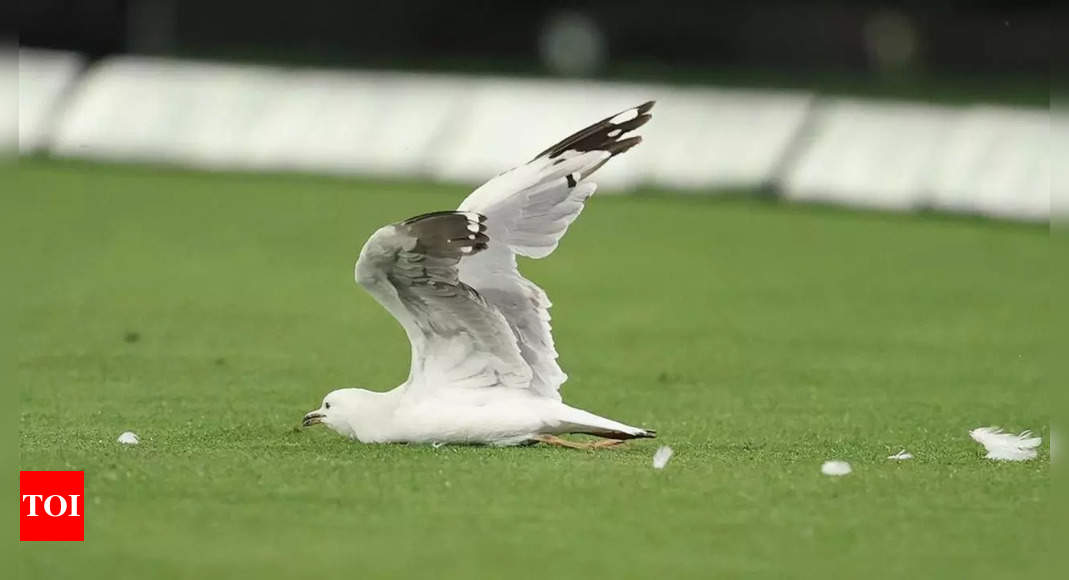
[528, 210]
[458, 339]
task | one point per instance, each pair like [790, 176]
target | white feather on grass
[836, 468]
[661, 456]
[1006, 446]
[901, 455]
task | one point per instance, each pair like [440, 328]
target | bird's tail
[580, 421]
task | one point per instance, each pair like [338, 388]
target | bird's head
[338, 410]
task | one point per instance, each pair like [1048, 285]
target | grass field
[209, 312]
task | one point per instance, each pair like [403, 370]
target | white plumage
[661, 456]
[836, 468]
[484, 364]
[1002, 446]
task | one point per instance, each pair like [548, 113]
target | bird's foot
[557, 441]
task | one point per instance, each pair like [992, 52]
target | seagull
[484, 367]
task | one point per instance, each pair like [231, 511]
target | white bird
[484, 368]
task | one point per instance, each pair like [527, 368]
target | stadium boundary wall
[977, 159]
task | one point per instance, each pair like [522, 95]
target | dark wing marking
[605, 135]
[529, 208]
[458, 339]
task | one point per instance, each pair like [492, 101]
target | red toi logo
[52, 506]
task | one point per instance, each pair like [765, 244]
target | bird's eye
[326, 405]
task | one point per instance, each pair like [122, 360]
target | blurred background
[913, 105]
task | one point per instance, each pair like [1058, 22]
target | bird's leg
[557, 441]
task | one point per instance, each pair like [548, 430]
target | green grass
[759, 338]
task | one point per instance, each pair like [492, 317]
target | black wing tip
[623, 435]
[623, 145]
[606, 135]
[644, 434]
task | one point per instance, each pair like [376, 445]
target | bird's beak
[313, 418]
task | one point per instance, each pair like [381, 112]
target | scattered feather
[661, 456]
[129, 438]
[901, 455]
[835, 468]
[1006, 446]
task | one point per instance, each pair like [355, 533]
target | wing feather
[458, 339]
[528, 210]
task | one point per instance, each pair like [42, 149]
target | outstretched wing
[527, 211]
[458, 339]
